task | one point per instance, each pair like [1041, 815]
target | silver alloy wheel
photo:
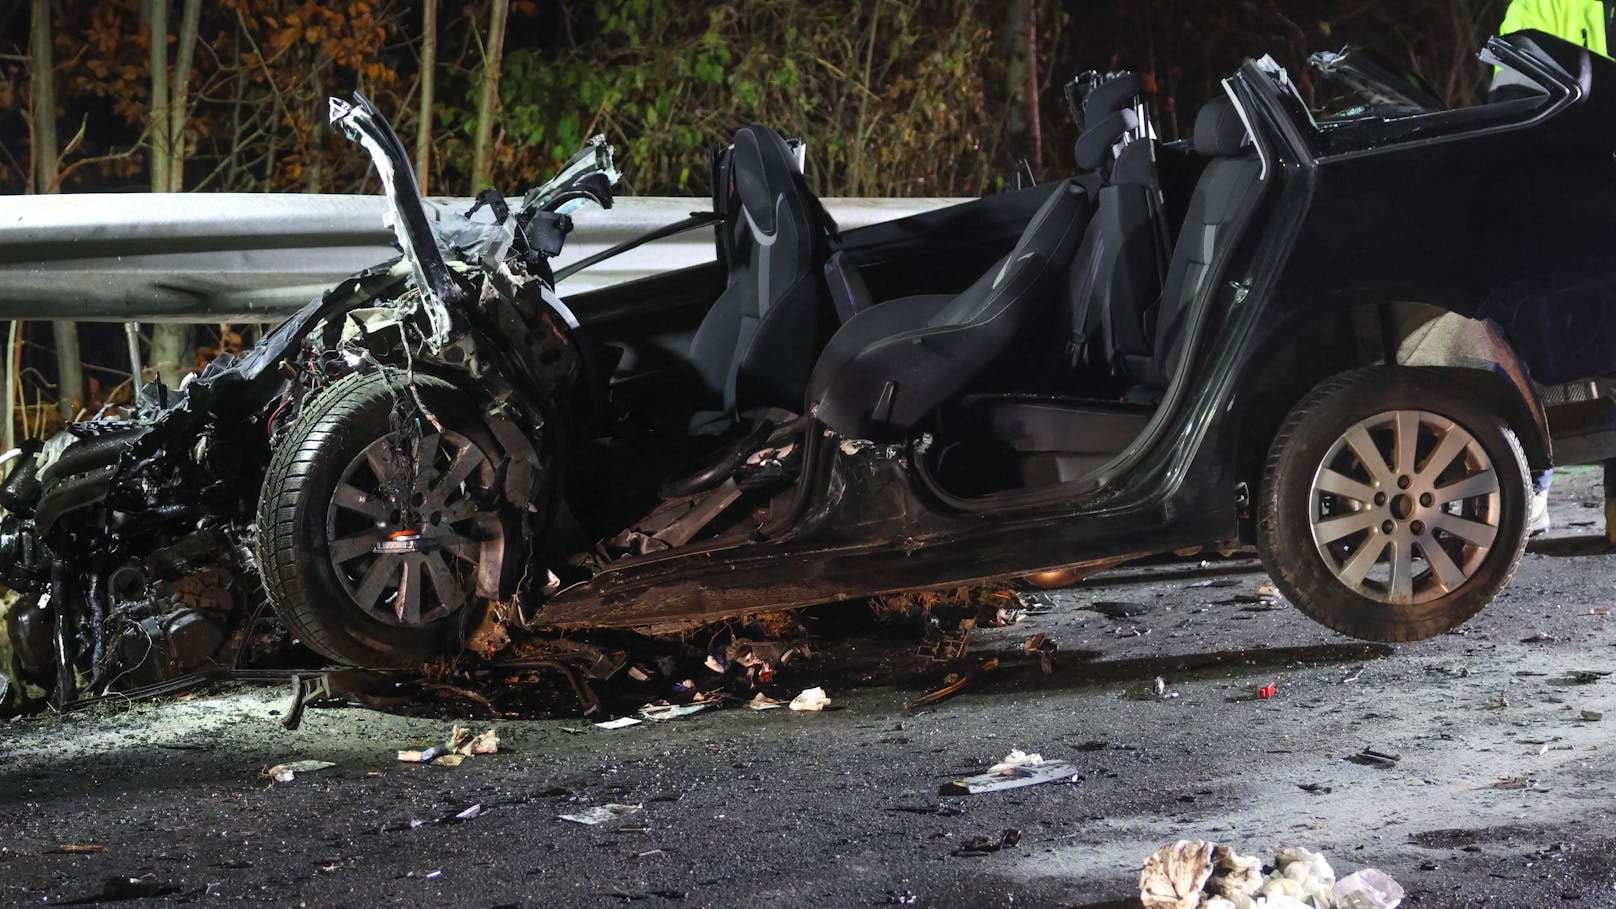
[1404, 507]
[410, 544]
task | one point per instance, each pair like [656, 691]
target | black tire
[314, 595]
[1315, 475]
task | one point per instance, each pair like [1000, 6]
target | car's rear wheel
[376, 527]
[1393, 505]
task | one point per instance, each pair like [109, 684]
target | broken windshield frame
[1402, 123]
[1350, 84]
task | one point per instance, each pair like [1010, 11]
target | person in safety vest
[1585, 22]
[1592, 24]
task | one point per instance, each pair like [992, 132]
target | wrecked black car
[1315, 327]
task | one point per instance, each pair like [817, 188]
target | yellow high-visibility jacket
[1583, 22]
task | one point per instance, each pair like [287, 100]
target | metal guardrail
[244, 257]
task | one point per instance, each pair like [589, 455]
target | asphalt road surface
[1500, 796]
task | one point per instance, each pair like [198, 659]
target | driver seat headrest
[1219, 131]
[1111, 96]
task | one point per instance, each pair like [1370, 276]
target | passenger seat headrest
[1219, 131]
[1094, 146]
[1110, 96]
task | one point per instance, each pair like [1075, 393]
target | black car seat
[1056, 440]
[1055, 430]
[893, 364]
[757, 344]
[1109, 111]
[1109, 115]
[1229, 179]
[1118, 269]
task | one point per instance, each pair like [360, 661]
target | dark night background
[898, 97]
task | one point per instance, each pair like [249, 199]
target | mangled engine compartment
[128, 540]
[127, 568]
[132, 545]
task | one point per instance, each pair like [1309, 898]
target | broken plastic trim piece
[588, 176]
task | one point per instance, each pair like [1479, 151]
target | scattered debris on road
[341, 686]
[460, 745]
[1267, 691]
[953, 684]
[1196, 874]
[600, 814]
[1371, 757]
[622, 722]
[666, 711]
[1018, 769]
[77, 849]
[812, 699]
[285, 773]
[1370, 888]
[1191, 873]
[1032, 603]
[985, 845]
[1212, 582]
[1155, 690]
[1302, 875]
[466, 744]
[1043, 649]
[131, 888]
[942, 646]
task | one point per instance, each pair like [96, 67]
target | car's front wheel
[1393, 505]
[382, 518]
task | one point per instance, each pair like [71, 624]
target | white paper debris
[1234, 876]
[1370, 888]
[812, 699]
[1194, 874]
[599, 814]
[1174, 875]
[761, 701]
[463, 743]
[622, 722]
[1016, 758]
[1302, 875]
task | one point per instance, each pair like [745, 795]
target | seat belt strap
[827, 224]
